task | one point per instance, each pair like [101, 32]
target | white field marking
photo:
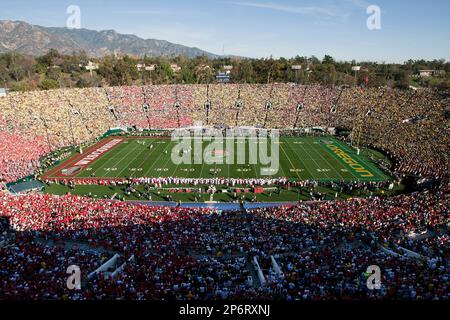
[361, 161]
[178, 165]
[126, 166]
[342, 165]
[203, 164]
[281, 168]
[289, 159]
[153, 164]
[314, 149]
[337, 171]
[170, 158]
[269, 170]
[108, 161]
[302, 159]
[147, 156]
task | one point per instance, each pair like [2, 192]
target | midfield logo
[230, 146]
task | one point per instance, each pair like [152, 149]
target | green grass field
[300, 158]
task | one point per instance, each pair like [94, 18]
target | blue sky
[260, 28]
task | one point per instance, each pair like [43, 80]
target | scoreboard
[223, 76]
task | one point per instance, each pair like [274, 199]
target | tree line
[53, 70]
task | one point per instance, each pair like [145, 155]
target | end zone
[78, 163]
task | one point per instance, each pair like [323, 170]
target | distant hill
[37, 40]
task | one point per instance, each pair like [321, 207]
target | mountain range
[36, 40]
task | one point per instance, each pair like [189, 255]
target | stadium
[126, 202]
[225, 191]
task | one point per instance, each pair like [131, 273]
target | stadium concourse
[307, 251]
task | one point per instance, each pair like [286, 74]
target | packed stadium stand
[410, 126]
[176, 253]
[287, 252]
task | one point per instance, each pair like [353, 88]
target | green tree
[48, 84]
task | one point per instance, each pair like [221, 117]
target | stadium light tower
[177, 105]
[300, 105]
[146, 108]
[47, 134]
[207, 105]
[298, 109]
[238, 106]
[268, 106]
[335, 105]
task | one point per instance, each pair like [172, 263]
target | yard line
[281, 166]
[203, 161]
[301, 159]
[98, 162]
[109, 159]
[331, 166]
[311, 158]
[238, 166]
[146, 157]
[175, 170]
[151, 167]
[289, 159]
[254, 165]
[354, 176]
[369, 165]
[228, 165]
[116, 165]
[335, 169]
[167, 160]
[215, 167]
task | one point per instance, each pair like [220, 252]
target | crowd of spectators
[408, 125]
[322, 248]
[33, 124]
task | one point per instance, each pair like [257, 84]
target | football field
[299, 158]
